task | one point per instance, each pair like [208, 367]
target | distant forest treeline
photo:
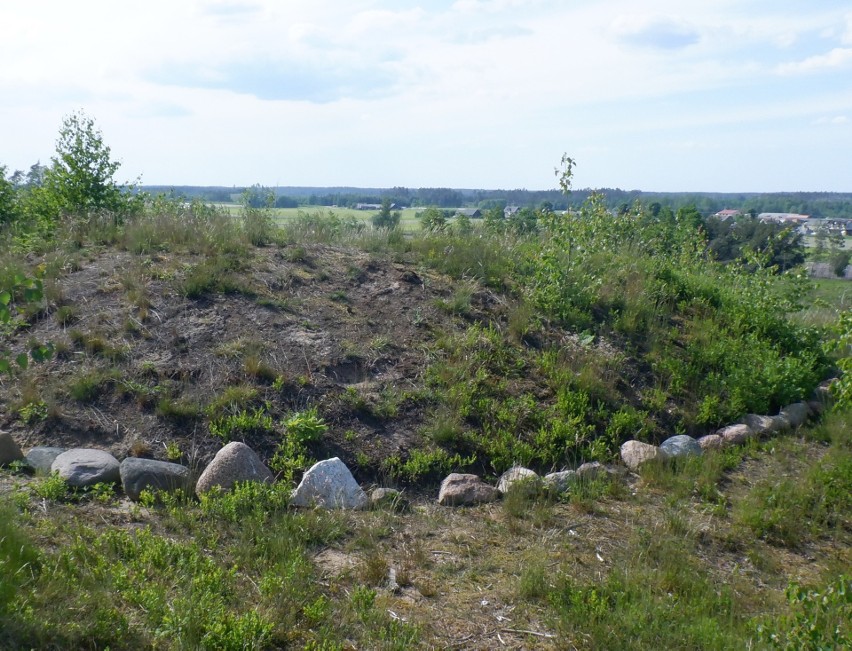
[833, 205]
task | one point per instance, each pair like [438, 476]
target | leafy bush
[820, 619]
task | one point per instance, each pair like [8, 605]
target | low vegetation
[156, 327]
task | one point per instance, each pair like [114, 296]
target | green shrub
[820, 619]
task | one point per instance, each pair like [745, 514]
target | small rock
[233, 463]
[141, 474]
[681, 446]
[559, 482]
[760, 425]
[823, 392]
[781, 423]
[711, 442]
[513, 476]
[817, 407]
[635, 453]
[329, 484]
[463, 490]
[389, 498]
[41, 458]
[590, 470]
[797, 414]
[9, 450]
[81, 467]
[736, 434]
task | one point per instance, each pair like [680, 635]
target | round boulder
[760, 425]
[635, 453]
[81, 467]
[389, 498]
[515, 475]
[559, 482]
[9, 450]
[41, 458]
[681, 446]
[590, 470]
[797, 413]
[459, 489]
[148, 474]
[711, 442]
[329, 484]
[233, 463]
[736, 434]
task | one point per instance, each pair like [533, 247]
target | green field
[408, 219]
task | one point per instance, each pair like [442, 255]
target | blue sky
[745, 95]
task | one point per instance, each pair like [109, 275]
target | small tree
[433, 219]
[8, 199]
[80, 178]
[385, 218]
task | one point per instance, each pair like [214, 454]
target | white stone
[513, 476]
[711, 442]
[329, 484]
[736, 434]
[635, 453]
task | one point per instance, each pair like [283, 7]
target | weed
[260, 370]
[179, 410]
[33, 412]
[91, 384]
[243, 423]
[52, 487]
[173, 451]
[66, 314]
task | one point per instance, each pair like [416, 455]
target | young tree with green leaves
[80, 179]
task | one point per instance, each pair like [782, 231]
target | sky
[659, 95]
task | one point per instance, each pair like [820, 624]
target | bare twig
[525, 632]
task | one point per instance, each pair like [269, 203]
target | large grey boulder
[9, 450]
[635, 453]
[234, 463]
[464, 490]
[797, 413]
[514, 476]
[329, 484]
[760, 425]
[81, 467]
[681, 446]
[148, 474]
[736, 434]
[559, 482]
[41, 458]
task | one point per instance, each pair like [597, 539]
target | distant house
[727, 214]
[510, 211]
[473, 213]
[783, 217]
[374, 206]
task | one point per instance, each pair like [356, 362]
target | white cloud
[482, 92]
[837, 58]
[836, 120]
[654, 32]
